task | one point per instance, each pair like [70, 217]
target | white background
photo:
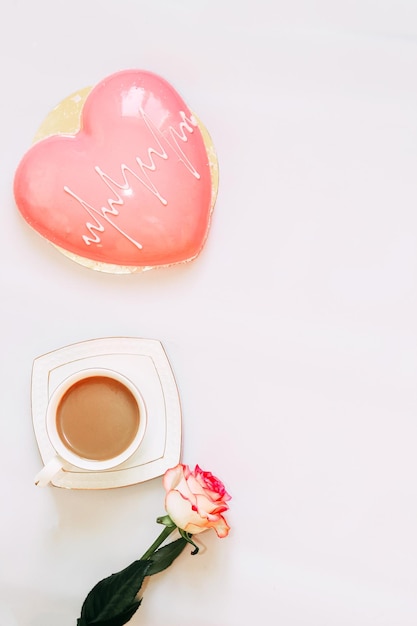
[293, 336]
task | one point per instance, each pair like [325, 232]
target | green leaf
[162, 558]
[120, 619]
[112, 602]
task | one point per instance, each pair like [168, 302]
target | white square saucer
[146, 364]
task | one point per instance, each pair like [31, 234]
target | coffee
[97, 418]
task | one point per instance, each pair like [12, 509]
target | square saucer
[146, 364]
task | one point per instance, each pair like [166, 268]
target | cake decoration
[122, 177]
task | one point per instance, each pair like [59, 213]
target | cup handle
[44, 477]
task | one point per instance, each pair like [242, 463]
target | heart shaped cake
[122, 177]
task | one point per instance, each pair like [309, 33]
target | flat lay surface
[292, 337]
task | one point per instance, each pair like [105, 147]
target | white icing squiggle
[98, 227]
[143, 176]
[184, 125]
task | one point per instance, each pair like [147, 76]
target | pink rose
[195, 500]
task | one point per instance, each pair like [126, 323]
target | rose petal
[173, 476]
[211, 483]
[195, 529]
[208, 507]
[180, 511]
[194, 485]
[198, 487]
[222, 527]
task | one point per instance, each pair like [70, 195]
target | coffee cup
[95, 420]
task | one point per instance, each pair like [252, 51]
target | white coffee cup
[95, 420]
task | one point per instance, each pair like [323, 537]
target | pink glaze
[132, 187]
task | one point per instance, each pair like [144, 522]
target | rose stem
[164, 534]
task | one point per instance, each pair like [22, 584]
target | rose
[195, 500]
